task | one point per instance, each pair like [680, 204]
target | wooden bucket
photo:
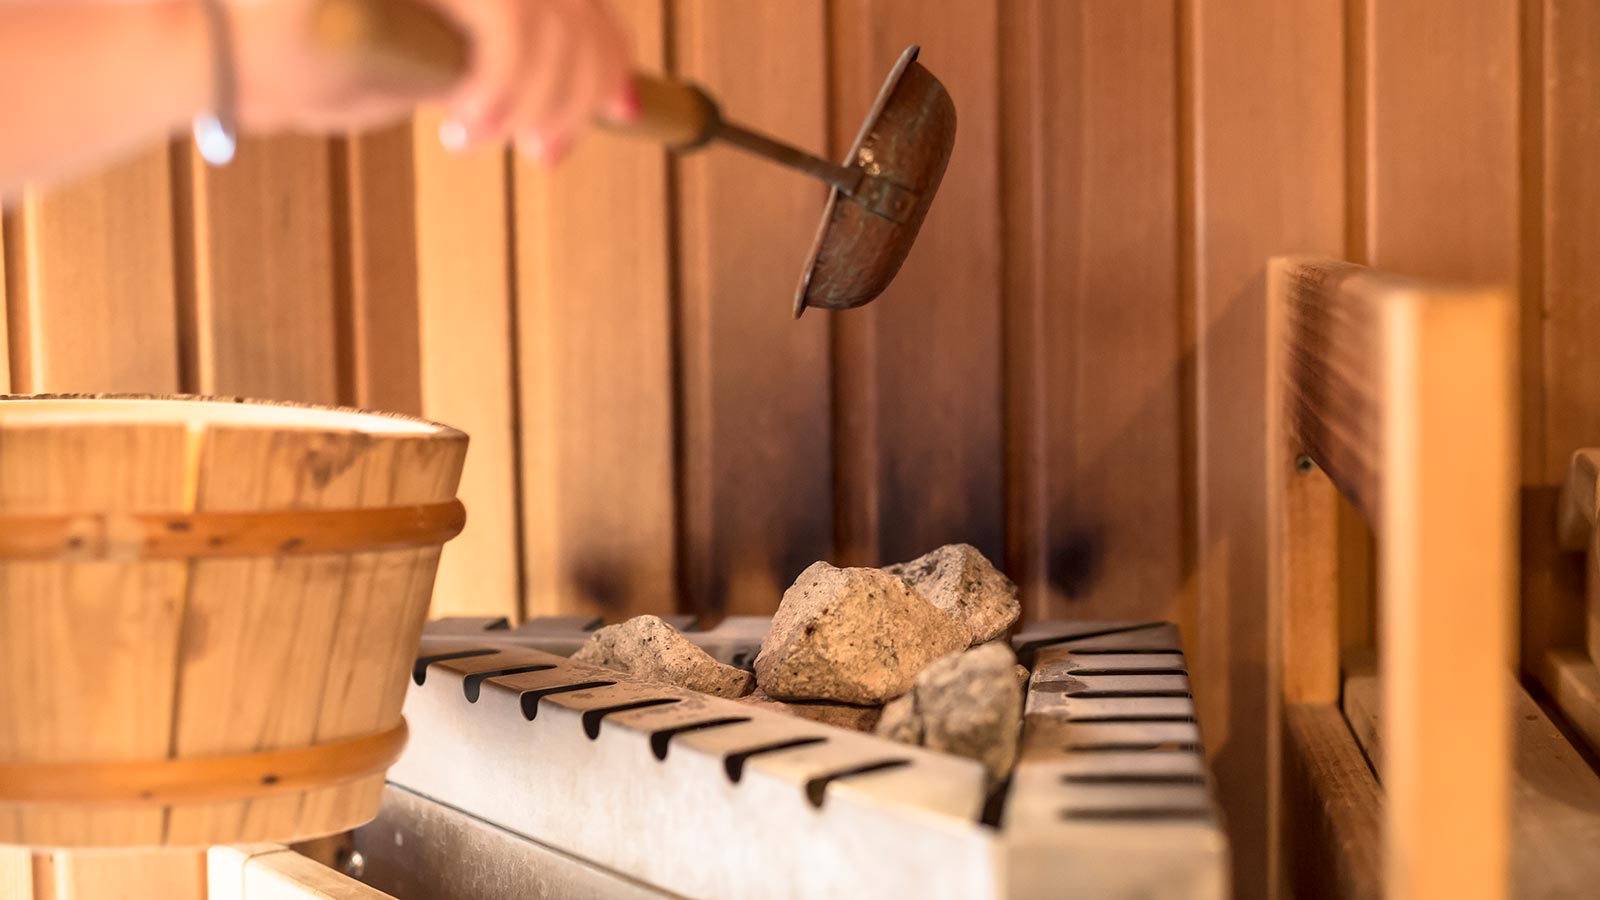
[208, 610]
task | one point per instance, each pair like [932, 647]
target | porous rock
[967, 704]
[961, 581]
[840, 715]
[646, 648]
[852, 636]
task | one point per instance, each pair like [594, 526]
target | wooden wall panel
[261, 283]
[1563, 209]
[756, 418]
[1094, 353]
[91, 264]
[5, 316]
[594, 320]
[1441, 130]
[918, 373]
[1264, 88]
[1439, 116]
[467, 363]
[376, 268]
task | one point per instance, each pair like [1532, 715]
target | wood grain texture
[16, 874]
[594, 325]
[1440, 119]
[1441, 135]
[467, 363]
[756, 385]
[1095, 367]
[1555, 795]
[917, 389]
[93, 293]
[5, 315]
[1573, 683]
[1306, 513]
[274, 872]
[331, 630]
[1561, 198]
[375, 214]
[121, 707]
[1333, 847]
[1447, 588]
[125, 875]
[1263, 89]
[261, 287]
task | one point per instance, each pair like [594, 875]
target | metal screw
[1303, 464]
[352, 863]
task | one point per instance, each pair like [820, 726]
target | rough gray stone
[967, 704]
[962, 582]
[853, 636]
[900, 721]
[646, 648]
[840, 715]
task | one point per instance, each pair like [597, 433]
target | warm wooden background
[1067, 373]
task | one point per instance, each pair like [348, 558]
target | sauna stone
[961, 581]
[840, 715]
[649, 649]
[966, 704]
[852, 636]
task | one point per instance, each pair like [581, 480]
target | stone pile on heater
[915, 652]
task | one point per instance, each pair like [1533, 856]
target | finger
[618, 94]
[498, 32]
[574, 110]
[546, 76]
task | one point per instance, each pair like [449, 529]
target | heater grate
[658, 791]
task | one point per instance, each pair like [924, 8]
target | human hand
[538, 71]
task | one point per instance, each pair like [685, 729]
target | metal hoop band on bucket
[190, 535]
[203, 779]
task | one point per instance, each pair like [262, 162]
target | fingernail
[556, 151]
[453, 135]
[625, 106]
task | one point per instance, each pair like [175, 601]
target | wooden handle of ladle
[405, 46]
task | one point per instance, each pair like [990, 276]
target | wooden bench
[1401, 397]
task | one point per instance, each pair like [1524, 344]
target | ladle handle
[405, 46]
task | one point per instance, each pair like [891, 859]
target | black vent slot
[472, 685]
[734, 763]
[660, 739]
[419, 670]
[817, 788]
[593, 717]
[530, 699]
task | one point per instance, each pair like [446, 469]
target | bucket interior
[199, 413]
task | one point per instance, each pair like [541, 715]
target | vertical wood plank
[1564, 214]
[1441, 170]
[594, 323]
[1440, 115]
[467, 364]
[375, 239]
[93, 285]
[5, 317]
[1447, 592]
[918, 374]
[261, 285]
[756, 413]
[1093, 323]
[1264, 89]
[102, 611]
[127, 875]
